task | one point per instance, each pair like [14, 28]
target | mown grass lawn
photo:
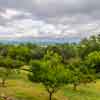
[24, 90]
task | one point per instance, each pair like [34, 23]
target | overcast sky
[49, 18]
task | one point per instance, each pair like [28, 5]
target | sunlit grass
[25, 90]
[85, 92]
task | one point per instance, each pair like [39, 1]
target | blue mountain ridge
[40, 40]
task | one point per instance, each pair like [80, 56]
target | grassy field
[24, 90]
[21, 89]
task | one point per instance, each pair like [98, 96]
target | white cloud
[10, 13]
[49, 18]
[28, 27]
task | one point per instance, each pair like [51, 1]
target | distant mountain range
[40, 40]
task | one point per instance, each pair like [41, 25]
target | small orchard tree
[80, 72]
[7, 66]
[74, 66]
[50, 72]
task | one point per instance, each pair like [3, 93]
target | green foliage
[7, 66]
[80, 72]
[8, 62]
[21, 53]
[53, 65]
[50, 72]
[93, 60]
[89, 45]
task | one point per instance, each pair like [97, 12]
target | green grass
[84, 92]
[22, 89]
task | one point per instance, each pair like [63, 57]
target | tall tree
[50, 72]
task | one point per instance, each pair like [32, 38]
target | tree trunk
[50, 95]
[75, 87]
[3, 82]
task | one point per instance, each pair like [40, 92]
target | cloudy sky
[49, 18]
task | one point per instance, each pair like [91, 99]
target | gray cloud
[53, 8]
[79, 16]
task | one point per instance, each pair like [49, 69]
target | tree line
[53, 65]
